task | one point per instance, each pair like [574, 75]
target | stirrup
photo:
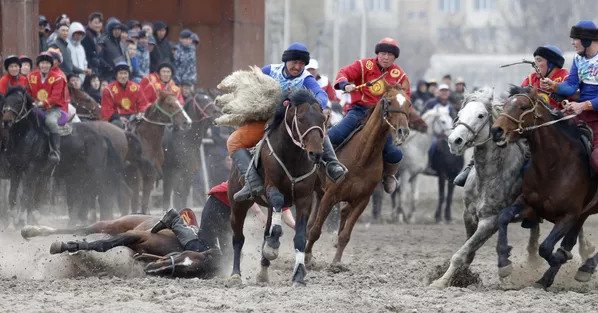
[342, 176]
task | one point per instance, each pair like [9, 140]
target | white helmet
[313, 63]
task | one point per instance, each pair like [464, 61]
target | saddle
[587, 137]
[64, 128]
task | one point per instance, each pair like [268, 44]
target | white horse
[415, 158]
[493, 183]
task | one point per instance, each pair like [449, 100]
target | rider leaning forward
[361, 72]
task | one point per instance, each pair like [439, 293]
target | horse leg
[134, 181]
[414, 198]
[15, 181]
[438, 215]
[314, 210]
[345, 211]
[567, 227]
[167, 190]
[377, 203]
[148, 186]
[464, 256]
[272, 239]
[237, 220]
[303, 206]
[112, 228]
[533, 244]
[345, 235]
[316, 230]
[585, 247]
[505, 268]
[127, 239]
[449, 200]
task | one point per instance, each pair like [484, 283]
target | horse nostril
[497, 133]
[459, 141]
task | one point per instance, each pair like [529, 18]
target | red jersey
[51, 92]
[8, 80]
[122, 102]
[533, 80]
[152, 91]
[325, 84]
[151, 78]
[221, 193]
[365, 70]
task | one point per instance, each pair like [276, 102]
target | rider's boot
[54, 155]
[462, 177]
[334, 169]
[388, 176]
[186, 235]
[254, 185]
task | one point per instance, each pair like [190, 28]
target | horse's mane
[433, 113]
[15, 89]
[296, 96]
[486, 96]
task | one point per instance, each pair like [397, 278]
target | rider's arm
[570, 86]
[349, 73]
[311, 84]
[56, 94]
[142, 103]
[287, 217]
[108, 111]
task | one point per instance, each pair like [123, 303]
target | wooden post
[19, 27]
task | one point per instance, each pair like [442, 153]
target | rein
[171, 116]
[19, 115]
[295, 127]
[89, 114]
[520, 129]
[202, 110]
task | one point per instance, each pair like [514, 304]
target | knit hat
[56, 54]
[296, 51]
[586, 31]
[160, 25]
[388, 45]
[44, 56]
[552, 54]
[11, 60]
[186, 34]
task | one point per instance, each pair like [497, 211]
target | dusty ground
[387, 269]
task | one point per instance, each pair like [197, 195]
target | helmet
[165, 64]
[313, 64]
[296, 51]
[11, 60]
[586, 31]
[552, 54]
[27, 59]
[121, 66]
[388, 45]
[44, 56]
[56, 54]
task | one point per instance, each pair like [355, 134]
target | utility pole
[364, 28]
[336, 40]
[287, 24]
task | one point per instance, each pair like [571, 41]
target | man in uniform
[13, 77]
[164, 82]
[360, 72]
[48, 87]
[122, 98]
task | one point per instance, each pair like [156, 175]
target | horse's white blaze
[186, 262]
[401, 99]
[187, 118]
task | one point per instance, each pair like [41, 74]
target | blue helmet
[586, 31]
[296, 51]
[552, 54]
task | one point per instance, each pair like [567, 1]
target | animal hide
[250, 96]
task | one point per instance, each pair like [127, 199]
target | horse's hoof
[56, 247]
[539, 285]
[297, 284]
[269, 253]
[505, 270]
[582, 276]
[438, 284]
[262, 277]
[234, 281]
[29, 231]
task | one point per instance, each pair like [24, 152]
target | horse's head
[201, 108]
[85, 105]
[395, 111]
[521, 110]
[472, 127]
[168, 110]
[17, 105]
[304, 122]
[416, 122]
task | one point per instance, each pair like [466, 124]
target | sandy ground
[386, 269]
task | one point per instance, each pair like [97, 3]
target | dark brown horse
[362, 155]
[556, 187]
[87, 108]
[166, 111]
[162, 250]
[290, 154]
[182, 157]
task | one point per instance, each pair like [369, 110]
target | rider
[164, 73]
[289, 74]
[215, 221]
[361, 72]
[583, 76]
[323, 81]
[26, 65]
[122, 98]
[13, 77]
[550, 61]
[48, 87]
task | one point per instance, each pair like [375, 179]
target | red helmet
[388, 45]
[25, 58]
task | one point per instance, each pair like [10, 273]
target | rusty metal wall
[231, 31]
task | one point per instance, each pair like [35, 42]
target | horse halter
[202, 110]
[473, 143]
[295, 127]
[171, 116]
[520, 129]
[89, 113]
[386, 110]
[23, 112]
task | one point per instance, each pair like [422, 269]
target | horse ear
[533, 93]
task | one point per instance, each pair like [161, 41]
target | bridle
[202, 110]
[520, 129]
[473, 143]
[293, 129]
[171, 116]
[386, 110]
[21, 114]
[90, 112]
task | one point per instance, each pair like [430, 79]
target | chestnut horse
[557, 186]
[289, 155]
[362, 155]
[166, 111]
[87, 108]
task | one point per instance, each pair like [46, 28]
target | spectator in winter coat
[44, 28]
[93, 31]
[148, 28]
[185, 62]
[133, 62]
[134, 25]
[62, 19]
[61, 43]
[421, 95]
[76, 35]
[93, 88]
[163, 51]
[143, 54]
[110, 48]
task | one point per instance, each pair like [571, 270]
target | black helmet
[11, 60]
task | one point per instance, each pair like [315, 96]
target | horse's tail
[143, 163]
[115, 174]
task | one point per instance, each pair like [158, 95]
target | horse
[182, 158]
[362, 155]
[439, 123]
[557, 186]
[87, 108]
[162, 250]
[166, 111]
[290, 154]
[88, 160]
[447, 166]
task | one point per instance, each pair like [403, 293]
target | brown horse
[162, 250]
[362, 155]
[290, 154]
[557, 186]
[87, 108]
[166, 111]
[182, 155]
